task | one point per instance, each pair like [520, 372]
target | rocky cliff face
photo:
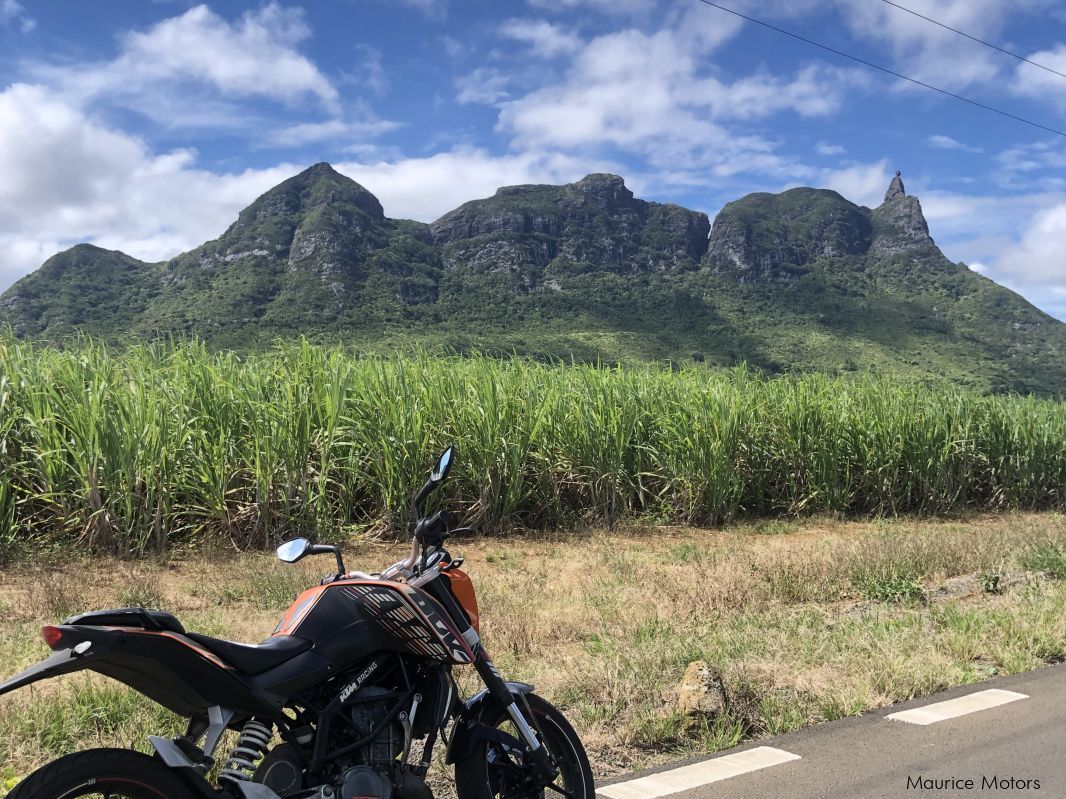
[513, 209]
[900, 225]
[539, 234]
[895, 187]
[301, 254]
[766, 237]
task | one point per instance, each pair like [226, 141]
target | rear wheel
[102, 774]
[502, 769]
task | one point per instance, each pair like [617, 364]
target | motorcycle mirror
[436, 477]
[292, 551]
[444, 465]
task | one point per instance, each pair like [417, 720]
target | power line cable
[973, 38]
[884, 69]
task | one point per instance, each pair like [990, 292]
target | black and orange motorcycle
[346, 700]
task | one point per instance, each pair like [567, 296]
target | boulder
[702, 691]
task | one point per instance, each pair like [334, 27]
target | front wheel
[502, 768]
[106, 773]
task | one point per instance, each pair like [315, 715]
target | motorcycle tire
[108, 773]
[492, 772]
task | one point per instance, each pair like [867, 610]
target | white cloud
[333, 130]
[649, 94]
[255, 56]
[1039, 257]
[930, 53]
[453, 48]
[1040, 84]
[942, 142]
[426, 188]
[13, 14]
[1033, 265]
[864, 184]
[697, 31]
[68, 179]
[371, 72]
[198, 71]
[976, 227]
[1033, 166]
[812, 92]
[544, 38]
[484, 85]
[825, 148]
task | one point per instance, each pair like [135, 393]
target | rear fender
[472, 724]
[66, 660]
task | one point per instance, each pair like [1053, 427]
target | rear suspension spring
[252, 744]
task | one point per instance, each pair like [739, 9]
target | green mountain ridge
[801, 280]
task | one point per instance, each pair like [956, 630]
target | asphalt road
[1015, 749]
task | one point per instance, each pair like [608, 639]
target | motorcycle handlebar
[403, 566]
[406, 567]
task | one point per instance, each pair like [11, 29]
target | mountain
[85, 286]
[799, 280]
[314, 253]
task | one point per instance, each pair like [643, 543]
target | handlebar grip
[430, 531]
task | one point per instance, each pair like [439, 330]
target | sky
[147, 126]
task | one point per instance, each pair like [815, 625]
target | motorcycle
[331, 704]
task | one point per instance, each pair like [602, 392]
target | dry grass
[806, 622]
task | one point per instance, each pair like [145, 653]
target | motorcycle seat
[254, 658]
[155, 620]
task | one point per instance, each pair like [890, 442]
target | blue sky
[146, 126]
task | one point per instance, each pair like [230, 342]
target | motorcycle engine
[363, 782]
[366, 714]
[281, 771]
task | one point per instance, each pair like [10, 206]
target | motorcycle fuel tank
[351, 619]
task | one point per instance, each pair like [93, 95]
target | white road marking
[687, 777]
[952, 708]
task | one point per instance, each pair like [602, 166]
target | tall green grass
[129, 451]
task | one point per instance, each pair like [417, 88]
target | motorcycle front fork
[490, 675]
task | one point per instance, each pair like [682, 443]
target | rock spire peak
[895, 188]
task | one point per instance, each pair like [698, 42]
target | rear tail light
[51, 635]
